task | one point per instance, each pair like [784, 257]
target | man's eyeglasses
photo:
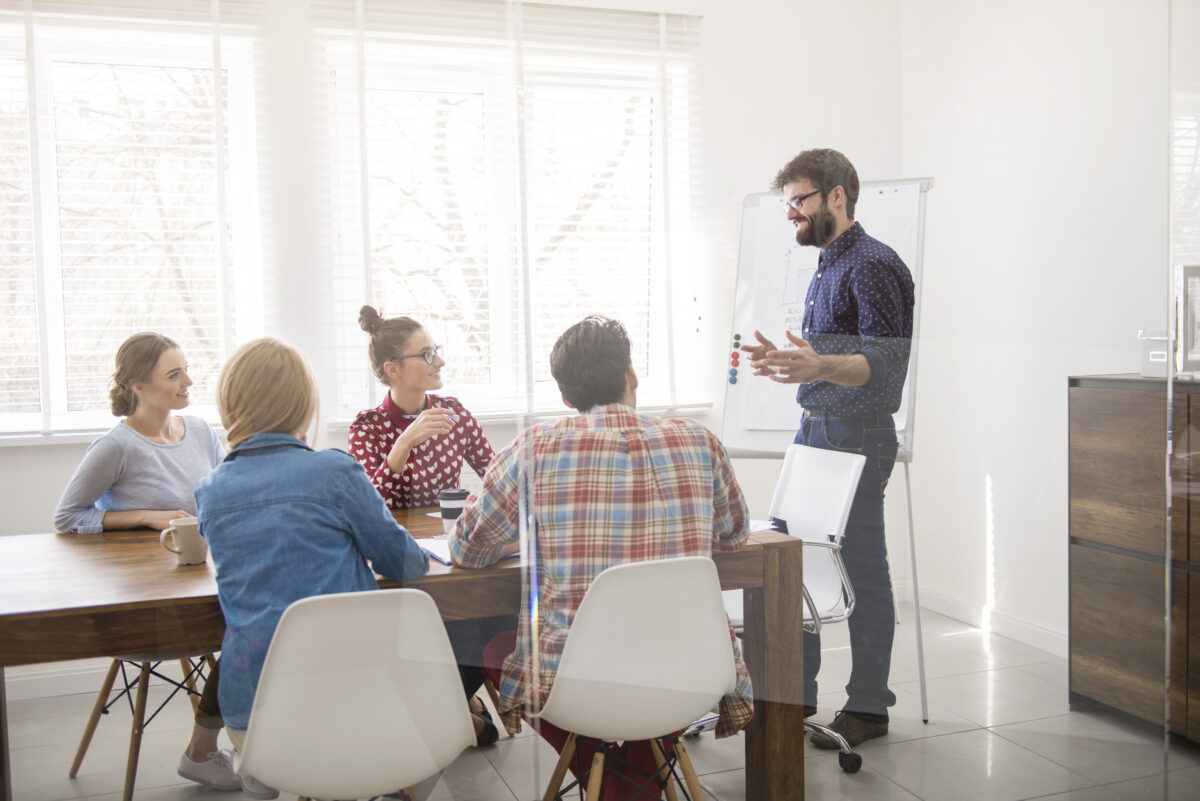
[798, 201]
[429, 355]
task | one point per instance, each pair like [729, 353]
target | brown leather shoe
[856, 730]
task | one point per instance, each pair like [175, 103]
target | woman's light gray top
[123, 470]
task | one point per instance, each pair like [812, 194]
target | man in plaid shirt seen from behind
[605, 487]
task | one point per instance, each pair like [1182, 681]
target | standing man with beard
[850, 361]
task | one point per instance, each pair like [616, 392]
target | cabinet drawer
[1118, 446]
[1117, 634]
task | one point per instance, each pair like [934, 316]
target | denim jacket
[284, 522]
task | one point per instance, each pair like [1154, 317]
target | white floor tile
[1084, 794]
[996, 697]
[977, 764]
[1056, 672]
[1181, 785]
[1001, 650]
[1098, 745]
[471, 778]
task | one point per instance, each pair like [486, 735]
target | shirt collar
[840, 245]
[263, 442]
[612, 415]
[395, 413]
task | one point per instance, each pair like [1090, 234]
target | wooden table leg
[5, 769]
[774, 651]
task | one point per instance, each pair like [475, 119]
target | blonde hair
[266, 386]
[135, 361]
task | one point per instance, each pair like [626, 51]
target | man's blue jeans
[864, 550]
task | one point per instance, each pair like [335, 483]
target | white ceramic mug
[185, 541]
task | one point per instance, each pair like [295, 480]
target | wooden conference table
[67, 596]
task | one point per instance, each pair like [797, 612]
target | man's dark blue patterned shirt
[860, 301]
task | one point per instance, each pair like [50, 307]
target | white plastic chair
[359, 696]
[648, 653]
[813, 496]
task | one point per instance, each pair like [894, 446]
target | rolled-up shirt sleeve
[731, 525]
[489, 520]
[881, 322]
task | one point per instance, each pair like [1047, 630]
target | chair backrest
[359, 696]
[815, 490]
[813, 495]
[649, 652]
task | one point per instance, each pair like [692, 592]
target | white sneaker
[256, 789]
[215, 773]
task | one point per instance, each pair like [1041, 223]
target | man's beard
[819, 229]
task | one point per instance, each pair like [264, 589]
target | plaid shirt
[432, 466]
[607, 487]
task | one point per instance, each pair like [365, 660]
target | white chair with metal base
[648, 652]
[813, 496]
[359, 696]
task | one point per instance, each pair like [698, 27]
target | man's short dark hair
[824, 169]
[589, 360]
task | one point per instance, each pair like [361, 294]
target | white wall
[1045, 127]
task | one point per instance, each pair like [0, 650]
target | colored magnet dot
[737, 337]
[733, 379]
[733, 371]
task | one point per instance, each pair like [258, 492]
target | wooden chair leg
[664, 770]
[595, 776]
[560, 768]
[97, 711]
[689, 772]
[212, 662]
[189, 681]
[135, 734]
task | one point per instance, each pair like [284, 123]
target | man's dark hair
[589, 360]
[824, 169]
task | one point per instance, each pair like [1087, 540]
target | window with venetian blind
[496, 170]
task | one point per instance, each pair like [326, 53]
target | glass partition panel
[1182, 566]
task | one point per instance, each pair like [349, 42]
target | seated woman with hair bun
[413, 446]
[414, 443]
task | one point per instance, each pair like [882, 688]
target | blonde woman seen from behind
[283, 521]
[413, 446]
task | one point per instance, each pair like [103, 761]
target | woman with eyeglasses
[413, 446]
[414, 443]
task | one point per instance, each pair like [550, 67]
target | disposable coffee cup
[185, 540]
[452, 502]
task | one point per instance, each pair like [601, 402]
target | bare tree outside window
[429, 222]
[137, 194]
[592, 201]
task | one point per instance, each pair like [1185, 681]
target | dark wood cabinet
[1118, 520]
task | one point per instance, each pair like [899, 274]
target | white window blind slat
[19, 364]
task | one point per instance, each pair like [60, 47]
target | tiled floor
[1000, 729]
